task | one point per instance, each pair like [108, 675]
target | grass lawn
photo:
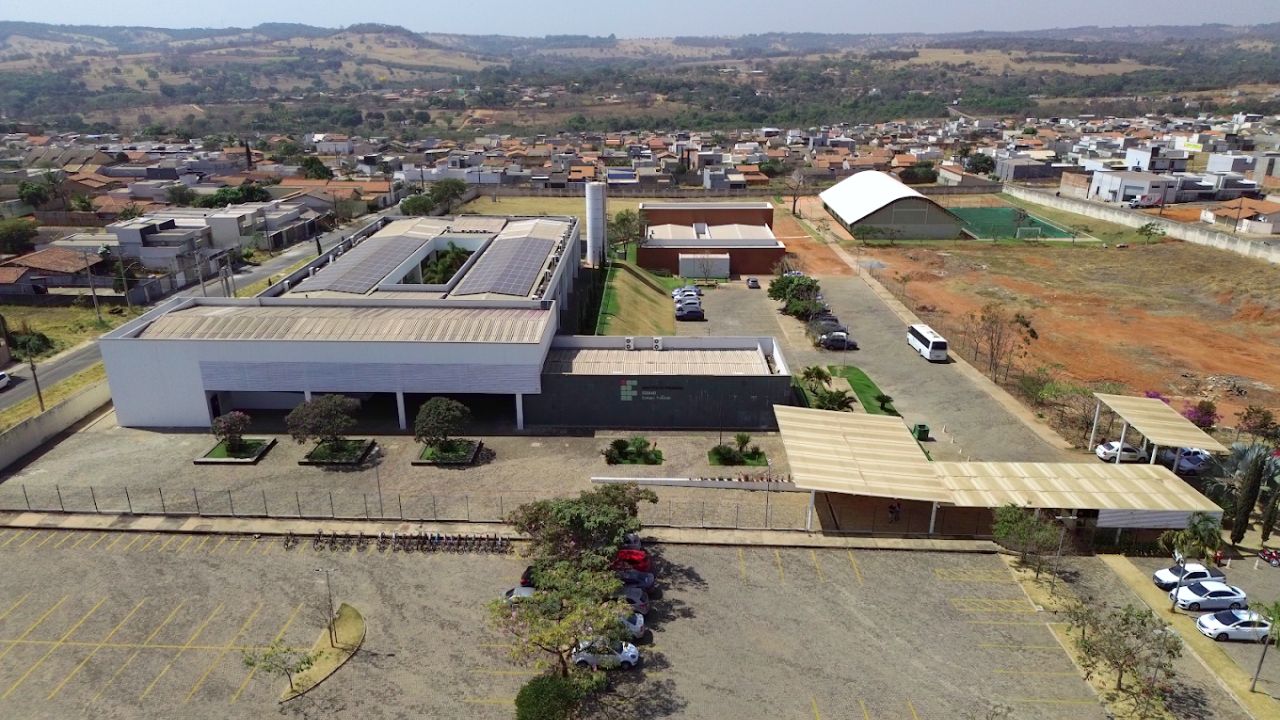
[247, 449]
[1104, 231]
[631, 307]
[864, 388]
[338, 452]
[748, 459]
[65, 326]
[454, 451]
[53, 395]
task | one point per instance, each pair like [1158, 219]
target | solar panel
[363, 266]
[509, 266]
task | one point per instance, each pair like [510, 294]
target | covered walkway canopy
[1156, 421]
[876, 456]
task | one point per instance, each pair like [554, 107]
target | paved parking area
[117, 625]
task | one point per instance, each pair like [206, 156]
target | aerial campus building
[872, 202]
[365, 320]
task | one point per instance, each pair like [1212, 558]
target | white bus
[929, 344]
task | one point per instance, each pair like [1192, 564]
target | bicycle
[289, 541]
[383, 542]
[318, 542]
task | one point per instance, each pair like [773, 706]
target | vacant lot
[1020, 62]
[65, 326]
[1173, 317]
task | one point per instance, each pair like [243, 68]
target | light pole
[1182, 572]
[1062, 537]
[333, 641]
[36, 379]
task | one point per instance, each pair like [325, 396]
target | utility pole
[333, 640]
[36, 379]
[93, 289]
[231, 275]
[200, 273]
[124, 281]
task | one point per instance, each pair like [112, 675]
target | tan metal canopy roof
[1159, 423]
[856, 454]
[876, 456]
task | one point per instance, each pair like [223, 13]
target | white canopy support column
[1155, 450]
[933, 516]
[400, 410]
[306, 395]
[1124, 430]
[808, 520]
[519, 411]
[1093, 431]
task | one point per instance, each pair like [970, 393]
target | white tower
[597, 223]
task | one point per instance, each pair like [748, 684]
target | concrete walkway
[280, 526]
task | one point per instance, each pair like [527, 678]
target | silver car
[602, 654]
[1209, 595]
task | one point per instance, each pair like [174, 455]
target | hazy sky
[654, 18]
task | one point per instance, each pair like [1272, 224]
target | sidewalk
[280, 526]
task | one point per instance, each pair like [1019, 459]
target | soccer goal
[1030, 232]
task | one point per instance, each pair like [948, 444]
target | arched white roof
[861, 194]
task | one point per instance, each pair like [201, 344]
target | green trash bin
[921, 432]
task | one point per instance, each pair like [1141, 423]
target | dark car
[691, 314]
[635, 578]
[526, 577]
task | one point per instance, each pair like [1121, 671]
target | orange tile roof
[10, 275]
[56, 259]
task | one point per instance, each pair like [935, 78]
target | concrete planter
[251, 460]
[357, 459]
[476, 445]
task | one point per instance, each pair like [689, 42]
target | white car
[1234, 625]
[604, 654]
[686, 290]
[634, 623]
[1192, 461]
[517, 594]
[1209, 595]
[5, 380]
[1107, 451]
[1167, 578]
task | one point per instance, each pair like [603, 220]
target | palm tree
[816, 377]
[838, 400]
[1248, 466]
[1271, 611]
[1201, 536]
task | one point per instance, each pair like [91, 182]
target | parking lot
[153, 625]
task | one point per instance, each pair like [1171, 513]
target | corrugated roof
[1160, 423]
[875, 455]
[369, 324]
[600, 361]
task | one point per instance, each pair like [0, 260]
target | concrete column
[400, 409]
[1155, 450]
[519, 411]
[1124, 429]
[808, 519]
[1093, 432]
[306, 395]
[933, 517]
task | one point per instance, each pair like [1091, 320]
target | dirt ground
[814, 257]
[1184, 320]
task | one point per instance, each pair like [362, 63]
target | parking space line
[53, 693]
[119, 537]
[15, 605]
[166, 543]
[52, 648]
[1054, 701]
[64, 540]
[817, 566]
[1002, 622]
[973, 576]
[742, 566]
[184, 544]
[912, 708]
[150, 542]
[101, 537]
[183, 649]
[990, 605]
[490, 701]
[203, 542]
[857, 571]
[83, 537]
[16, 534]
[34, 534]
[814, 702]
[136, 540]
[34, 625]
[172, 614]
[513, 673]
[865, 715]
[777, 560]
[218, 659]
[221, 539]
[249, 676]
[45, 541]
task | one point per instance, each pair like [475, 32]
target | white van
[929, 344]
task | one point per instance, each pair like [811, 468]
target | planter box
[470, 459]
[267, 444]
[357, 458]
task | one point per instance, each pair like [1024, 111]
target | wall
[1132, 218]
[663, 402]
[27, 436]
[742, 261]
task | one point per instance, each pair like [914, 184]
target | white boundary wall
[30, 434]
[1257, 249]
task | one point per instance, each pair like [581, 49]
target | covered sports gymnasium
[1002, 223]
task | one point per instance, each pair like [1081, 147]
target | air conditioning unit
[629, 343]
[657, 343]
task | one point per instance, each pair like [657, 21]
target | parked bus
[929, 344]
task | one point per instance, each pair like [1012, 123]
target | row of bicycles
[406, 542]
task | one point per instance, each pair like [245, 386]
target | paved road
[65, 365]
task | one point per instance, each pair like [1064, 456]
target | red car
[631, 559]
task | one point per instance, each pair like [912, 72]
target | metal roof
[705, 206]
[875, 455]
[1159, 423]
[862, 194]
[856, 454]
[362, 267]
[508, 266]
[601, 361]
[368, 324]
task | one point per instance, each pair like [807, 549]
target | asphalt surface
[64, 365]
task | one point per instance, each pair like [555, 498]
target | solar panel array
[364, 266]
[509, 266]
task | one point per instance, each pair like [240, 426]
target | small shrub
[726, 455]
[28, 342]
[754, 451]
[611, 455]
[230, 428]
[620, 446]
[547, 697]
[742, 440]
[1203, 414]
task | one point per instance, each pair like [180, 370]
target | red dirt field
[1184, 320]
[814, 257]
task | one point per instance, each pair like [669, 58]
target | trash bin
[921, 432]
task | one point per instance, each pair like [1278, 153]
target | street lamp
[1182, 572]
[1062, 537]
[333, 641]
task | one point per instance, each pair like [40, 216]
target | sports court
[1002, 223]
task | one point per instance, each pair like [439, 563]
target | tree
[33, 194]
[547, 697]
[180, 195]
[121, 274]
[922, 173]
[795, 185]
[1128, 641]
[834, 400]
[884, 400]
[1026, 531]
[129, 212]
[438, 419]
[1199, 539]
[277, 659]
[82, 203]
[229, 429]
[997, 338]
[816, 377]
[421, 204]
[625, 227]
[313, 168]
[794, 287]
[16, 235]
[326, 419]
[1248, 466]
[445, 192]
[593, 524]
[1271, 611]
[1204, 414]
[1151, 231]
[742, 440]
[1256, 420]
[980, 164]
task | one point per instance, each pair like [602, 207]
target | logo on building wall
[629, 390]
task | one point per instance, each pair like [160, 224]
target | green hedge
[547, 697]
